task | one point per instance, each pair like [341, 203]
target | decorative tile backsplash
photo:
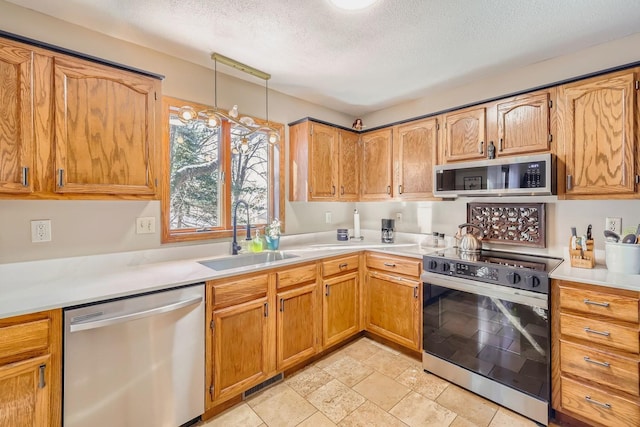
[510, 223]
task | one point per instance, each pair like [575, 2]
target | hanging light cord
[266, 85]
[215, 83]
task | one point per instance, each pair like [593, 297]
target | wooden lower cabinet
[393, 308]
[596, 354]
[30, 370]
[340, 308]
[298, 316]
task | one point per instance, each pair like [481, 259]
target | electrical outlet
[398, 217]
[41, 231]
[613, 224]
[146, 225]
[327, 217]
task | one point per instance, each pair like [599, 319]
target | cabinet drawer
[24, 338]
[340, 265]
[600, 303]
[231, 292]
[593, 404]
[296, 276]
[605, 333]
[618, 372]
[406, 266]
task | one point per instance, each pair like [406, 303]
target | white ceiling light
[353, 4]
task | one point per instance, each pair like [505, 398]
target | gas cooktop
[517, 270]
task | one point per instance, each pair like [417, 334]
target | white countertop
[28, 287]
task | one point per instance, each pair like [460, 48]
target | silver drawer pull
[591, 331]
[599, 304]
[388, 264]
[595, 402]
[595, 362]
[343, 265]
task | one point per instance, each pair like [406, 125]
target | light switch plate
[146, 225]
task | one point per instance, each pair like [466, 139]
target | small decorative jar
[272, 235]
[343, 234]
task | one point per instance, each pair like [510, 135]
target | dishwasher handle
[109, 321]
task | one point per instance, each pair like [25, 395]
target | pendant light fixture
[244, 126]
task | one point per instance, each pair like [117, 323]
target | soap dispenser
[257, 244]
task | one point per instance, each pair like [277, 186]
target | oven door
[491, 339]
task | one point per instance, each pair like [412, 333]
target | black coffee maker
[387, 230]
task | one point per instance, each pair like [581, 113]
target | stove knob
[432, 265]
[513, 278]
[445, 267]
[533, 281]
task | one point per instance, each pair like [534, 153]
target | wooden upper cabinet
[348, 165]
[596, 119]
[377, 165]
[324, 163]
[523, 125]
[415, 154]
[16, 119]
[105, 129]
[323, 156]
[465, 135]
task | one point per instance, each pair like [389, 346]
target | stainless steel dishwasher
[135, 362]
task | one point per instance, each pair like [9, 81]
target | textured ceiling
[358, 62]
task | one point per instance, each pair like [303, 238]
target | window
[207, 170]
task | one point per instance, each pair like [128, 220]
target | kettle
[468, 242]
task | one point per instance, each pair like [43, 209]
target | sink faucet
[234, 245]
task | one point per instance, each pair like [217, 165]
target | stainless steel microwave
[508, 176]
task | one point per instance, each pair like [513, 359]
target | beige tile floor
[366, 384]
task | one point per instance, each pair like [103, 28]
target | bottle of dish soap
[256, 243]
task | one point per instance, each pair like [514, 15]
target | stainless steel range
[487, 328]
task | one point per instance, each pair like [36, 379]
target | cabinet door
[241, 348]
[104, 129]
[349, 166]
[465, 133]
[393, 308]
[596, 127]
[376, 165]
[414, 157]
[323, 157]
[523, 125]
[296, 320]
[340, 308]
[16, 119]
[25, 393]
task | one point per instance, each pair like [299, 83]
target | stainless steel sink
[246, 260]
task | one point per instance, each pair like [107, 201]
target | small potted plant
[272, 235]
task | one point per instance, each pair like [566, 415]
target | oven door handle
[506, 293]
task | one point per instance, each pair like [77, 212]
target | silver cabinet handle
[342, 190]
[266, 309]
[415, 292]
[333, 190]
[500, 145]
[388, 189]
[591, 331]
[569, 182]
[41, 382]
[481, 147]
[326, 289]
[400, 189]
[25, 176]
[388, 264]
[599, 304]
[281, 305]
[60, 177]
[343, 265]
[595, 362]
[109, 321]
[595, 402]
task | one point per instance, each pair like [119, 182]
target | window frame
[276, 202]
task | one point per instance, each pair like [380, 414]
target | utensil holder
[585, 258]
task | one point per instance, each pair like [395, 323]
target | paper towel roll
[356, 224]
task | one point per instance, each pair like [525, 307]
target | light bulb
[244, 145]
[353, 4]
[234, 112]
[186, 114]
[274, 137]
